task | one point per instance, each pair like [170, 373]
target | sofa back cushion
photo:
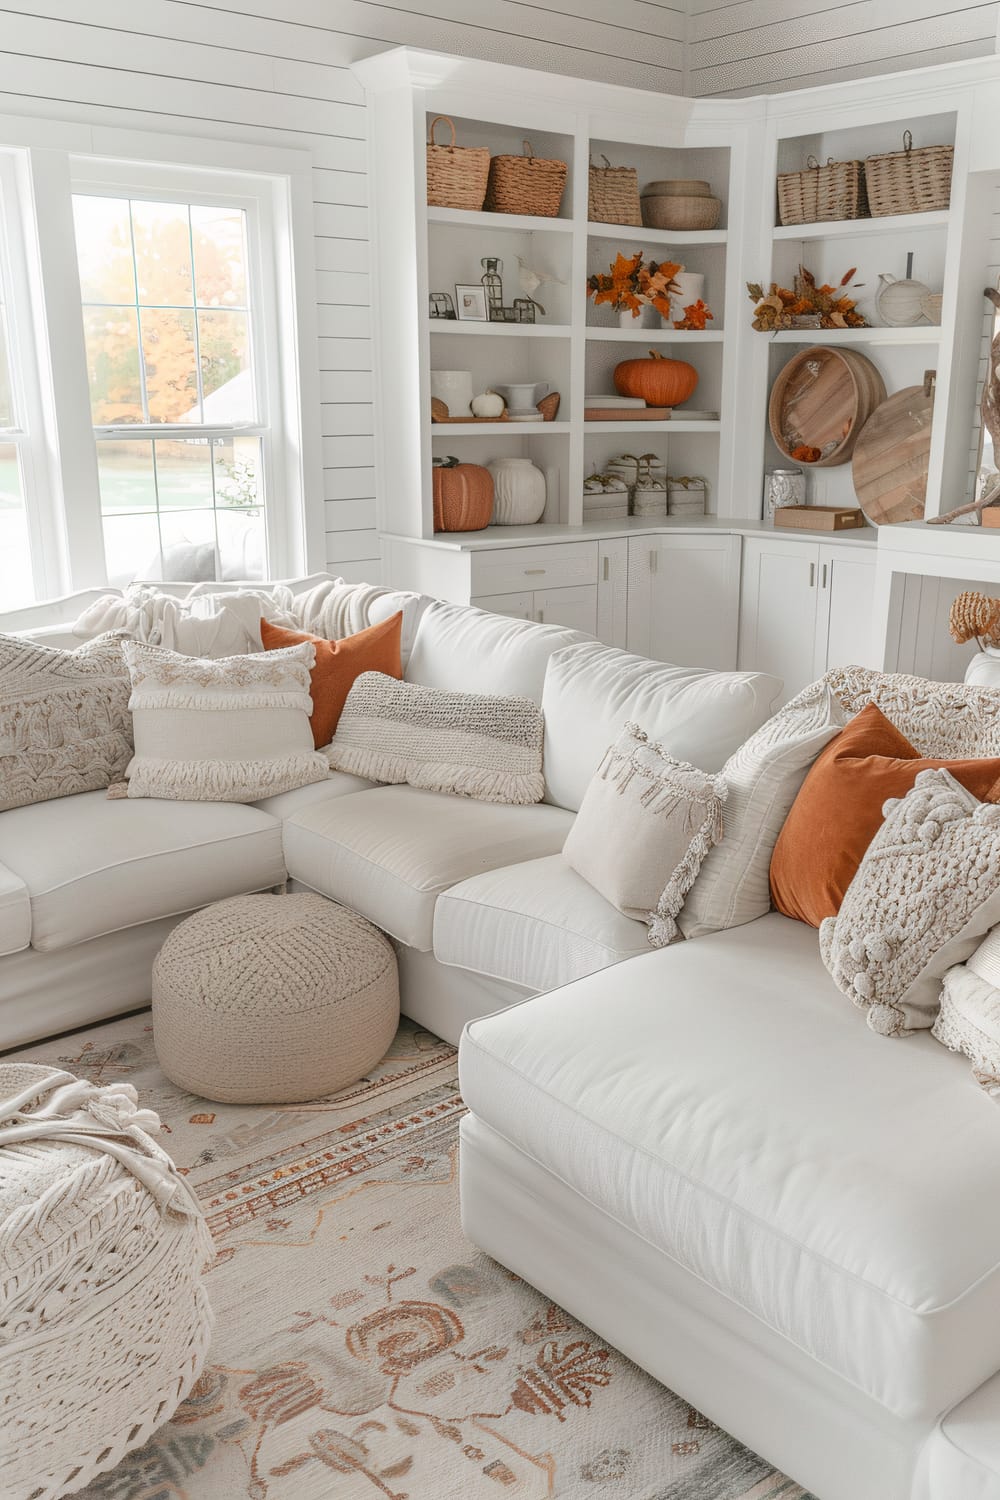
[467, 650]
[942, 720]
[591, 691]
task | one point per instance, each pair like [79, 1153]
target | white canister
[690, 288]
[647, 317]
[518, 491]
[783, 487]
[454, 388]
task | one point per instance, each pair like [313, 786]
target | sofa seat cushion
[537, 924]
[338, 784]
[961, 1460]
[15, 913]
[92, 866]
[389, 853]
[726, 1105]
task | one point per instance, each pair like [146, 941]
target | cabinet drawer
[510, 570]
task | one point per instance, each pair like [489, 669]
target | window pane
[184, 473]
[113, 365]
[219, 239]
[16, 583]
[131, 548]
[242, 552]
[126, 475]
[227, 384]
[6, 401]
[188, 543]
[104, 249]
[168, 357]
[162, 234]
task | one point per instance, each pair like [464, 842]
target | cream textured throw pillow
[926, 892]
[645, 824]
[465, 743]
[969, 1018]
[232, 729]
[64, 720]
[763, 778]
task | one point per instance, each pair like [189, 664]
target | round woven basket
[677, 211]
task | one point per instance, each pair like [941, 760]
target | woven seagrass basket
[836, 191]
[613, 196]
[909, 181]
[456, 175]
[527, 184]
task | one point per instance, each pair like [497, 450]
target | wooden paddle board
[889, 466]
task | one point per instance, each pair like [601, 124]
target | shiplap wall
[759, 46]
[231, 70]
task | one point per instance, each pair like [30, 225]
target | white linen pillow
[763, 778]
[925, 894]
[969, 1021]
[645, 824]
[232, 729]
[469, 744]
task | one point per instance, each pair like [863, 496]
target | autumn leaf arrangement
[632, 284]
[781, 307]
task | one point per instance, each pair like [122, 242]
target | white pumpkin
[489, 404]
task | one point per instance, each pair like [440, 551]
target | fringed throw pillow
[645, 824]
[926, 893]
[969, 1018]
[64, 720]
[232, 729]
[468, 744]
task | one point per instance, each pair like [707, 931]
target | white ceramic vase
[454, 388]
[690, 289]
[647, 317]
[518, 492]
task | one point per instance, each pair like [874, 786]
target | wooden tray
[628, 414]
[890, 461]
[819, 517]
[548, 406]
[822, 398]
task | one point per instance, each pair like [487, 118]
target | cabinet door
[844, 623]
[683, 599]
[521, 606]
[575, 608]
[612, 591]
[778, 610]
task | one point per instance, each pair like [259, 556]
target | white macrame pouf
[273, 999]
[104, 1323]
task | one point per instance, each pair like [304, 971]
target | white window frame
[275, 185]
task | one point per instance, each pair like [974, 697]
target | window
[151, 416]
[173, 389]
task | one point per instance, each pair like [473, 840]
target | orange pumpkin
[658, 380]
[463, 496]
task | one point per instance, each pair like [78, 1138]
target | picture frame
[470, 303]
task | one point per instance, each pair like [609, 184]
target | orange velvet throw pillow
[838, 811]
[338, 663]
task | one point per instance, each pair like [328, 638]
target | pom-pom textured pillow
[64, 719]
[339, 664]
[926, 893]
[469, 744]
[232, 729]
[839, 811]
[645, 824]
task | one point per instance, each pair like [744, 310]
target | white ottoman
[273, 999]
[104, 1324]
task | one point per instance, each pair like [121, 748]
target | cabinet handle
[533, 572]
[812, 575]
[823, 584]
[607, 569]
[652, 562]
[541, 617]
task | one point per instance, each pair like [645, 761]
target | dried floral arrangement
[833, 306]
[631, 285]
[696, 316]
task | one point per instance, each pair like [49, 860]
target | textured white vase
[690, 288]
[454, 388]
[518, 492]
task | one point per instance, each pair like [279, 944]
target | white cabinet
[805, 606]
[575, 608]
[683, 593]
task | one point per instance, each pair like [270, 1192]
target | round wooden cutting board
[890, 460]
[822, 399]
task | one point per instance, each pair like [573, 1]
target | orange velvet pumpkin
[658, 380]
[463, 496]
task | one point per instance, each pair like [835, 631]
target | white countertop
[593, 531]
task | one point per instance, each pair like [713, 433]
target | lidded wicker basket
[456, 175]
[526, 184]
[909, 181]
[613, 196]
[818, 194]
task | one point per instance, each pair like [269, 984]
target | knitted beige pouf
[273, 999]
[104, 1324]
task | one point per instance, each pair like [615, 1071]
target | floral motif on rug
[363, 1347]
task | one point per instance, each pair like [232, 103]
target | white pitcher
[900, 303]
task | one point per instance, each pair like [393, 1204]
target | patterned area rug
[363, 1347]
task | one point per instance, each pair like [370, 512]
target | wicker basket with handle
[456, 175]
[613, 196]
[527, 184]
[836, 191]
[909, 181]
